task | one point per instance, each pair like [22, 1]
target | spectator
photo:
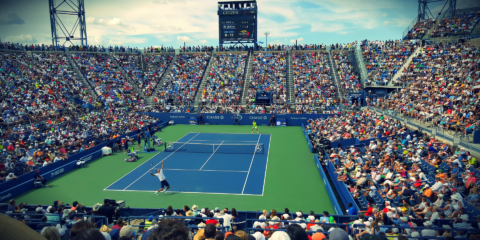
[107, 210]
[170, 230]
[50, 233]
[89, 234]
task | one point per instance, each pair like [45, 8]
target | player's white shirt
[160, 175]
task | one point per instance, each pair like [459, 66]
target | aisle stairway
[89, 87]
[201, 85]
[149, 100]
[124, 73]
[246, 79]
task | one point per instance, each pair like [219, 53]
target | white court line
[251, 164]
[119, 190]
[221, 140]
[268, 154]
[139, 165]
[160, 162]
[211, 155]
[196, 170]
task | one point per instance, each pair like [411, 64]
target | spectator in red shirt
[118, 225]
[10, 148]
[212, 221]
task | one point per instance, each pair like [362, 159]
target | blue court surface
[205, 163]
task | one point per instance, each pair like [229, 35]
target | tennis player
[254, 125]
[163, 180]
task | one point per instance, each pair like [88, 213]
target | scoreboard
[237, 22]
[237, 28]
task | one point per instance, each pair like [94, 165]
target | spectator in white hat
[427, 232]
[461, 222]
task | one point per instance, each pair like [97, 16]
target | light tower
[77, 32]
[448, 9]
[266, 39]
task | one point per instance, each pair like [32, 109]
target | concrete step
[79, 75]
[129, 79]
[246, 79]
[204, 80]
[167, 73]
[405, 65]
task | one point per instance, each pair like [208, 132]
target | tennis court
[218, 163]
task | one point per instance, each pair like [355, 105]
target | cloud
[21, 39]
[97, 40]
[119, 33]
[112, 42]
[384, 14]
[167, 28]
[398, 22]
[116, 22]
[112, 22]
[184, 39]
[168, 1]
[203, 41]
[298, 40]
[90, 20]
[327, 27]
[7, 18]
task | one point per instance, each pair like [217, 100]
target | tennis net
[214, 148]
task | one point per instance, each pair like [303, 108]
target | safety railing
[432, 129]
[186, 220]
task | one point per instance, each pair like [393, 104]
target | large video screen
[237, 28]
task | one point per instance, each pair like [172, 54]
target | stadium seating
[462, 24]
[386, 169]
[437, 92]
[312, 79]
[384, 59]
[155, 67]
[225, 81]
[108, 81]
[419, 29]
[37, 87]
[269, 71]
[28, 147]
[182, 84]
[348, 79]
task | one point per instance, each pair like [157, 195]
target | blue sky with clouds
[144, 23]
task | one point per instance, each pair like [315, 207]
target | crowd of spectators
[225, 81]
[27, 147]
[440, 82]
[343, 46]
[78, 222]
[362, 125]
[419, 30]
[196, 49]
[155, 67]
[269, 73]
[107, 80]
[348, 79]
[384, 59]
[158, 49]
[409, 181]
[182, 83]
[458, 25]
[37, 87]
[312, 79]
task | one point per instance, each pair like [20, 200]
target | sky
[144, 23]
